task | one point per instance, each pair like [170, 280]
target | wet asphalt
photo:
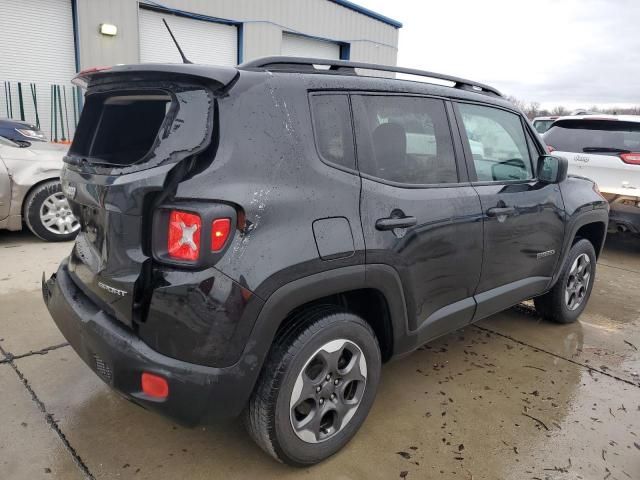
[512, 397]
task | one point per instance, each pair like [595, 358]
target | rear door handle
[500, 211]
[390, 223]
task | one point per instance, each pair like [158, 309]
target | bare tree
[532, 109]
[559, 110]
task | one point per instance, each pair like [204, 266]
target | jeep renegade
[258, 240]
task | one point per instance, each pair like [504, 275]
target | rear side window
[594, 136]
[332, 129]
[404, 139]
[497, 143]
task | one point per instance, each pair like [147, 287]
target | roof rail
[307, 65]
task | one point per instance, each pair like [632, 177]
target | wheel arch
[591, 225]
[32, 188]
[594, 232]
[372, 292]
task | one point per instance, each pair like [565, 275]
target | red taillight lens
[154, 385]
[184, 235]
[550, 149]
[632, 158]
[220, 229]
[94, 70]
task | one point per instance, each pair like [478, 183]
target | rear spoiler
[221, 75]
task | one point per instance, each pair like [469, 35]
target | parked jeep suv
[606, 149]
[259, 240]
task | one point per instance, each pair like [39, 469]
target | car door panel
[523, 219]
[436, 247]
[439, 258]
[524, 243]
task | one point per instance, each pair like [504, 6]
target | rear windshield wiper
[605, 150]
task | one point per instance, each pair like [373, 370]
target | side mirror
[552, 169]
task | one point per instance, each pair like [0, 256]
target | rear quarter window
[578, 135]
[332, 129]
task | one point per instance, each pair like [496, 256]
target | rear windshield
[602, 137]
[119, 129]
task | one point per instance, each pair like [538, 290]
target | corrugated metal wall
[37, 51]
[263, 23]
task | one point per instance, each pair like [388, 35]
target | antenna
[184, 58]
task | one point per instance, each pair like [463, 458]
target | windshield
[599, 137]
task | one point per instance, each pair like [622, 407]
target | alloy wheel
[578, 282]
[328, 391]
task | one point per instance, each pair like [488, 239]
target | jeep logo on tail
[581, 158]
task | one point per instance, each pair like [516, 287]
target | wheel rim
[578, 282]
[328, 391]
[56, 216]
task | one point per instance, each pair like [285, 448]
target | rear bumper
[624, 218]
[197, 393]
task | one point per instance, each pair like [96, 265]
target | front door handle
[390, 223]
[501, 211]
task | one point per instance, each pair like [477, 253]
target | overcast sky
[577, 53]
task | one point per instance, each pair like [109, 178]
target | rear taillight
[183, 241]
[192, 234]
[220, 229]
[632, 158]
[550, 149]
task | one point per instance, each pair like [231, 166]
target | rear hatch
[142, 130]
[606, 150]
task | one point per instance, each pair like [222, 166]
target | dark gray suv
[259, 240]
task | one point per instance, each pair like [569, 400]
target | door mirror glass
[552, 169]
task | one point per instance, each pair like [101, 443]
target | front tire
[316, 388]
[47, 213]
[569, 296]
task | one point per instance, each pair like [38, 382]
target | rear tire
[47, 213]
[316, 387]
[569, 296]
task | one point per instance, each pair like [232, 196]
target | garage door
[202, 41]
[38, 47]
[301, 46]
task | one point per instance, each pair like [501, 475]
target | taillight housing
[550, 149]
[632, 158]
[192, 234]
[183, 239]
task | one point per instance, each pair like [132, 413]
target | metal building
[44, 42]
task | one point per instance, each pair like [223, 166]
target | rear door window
[332, 129]
[404, 139]
[497, 143]
[598, 137]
